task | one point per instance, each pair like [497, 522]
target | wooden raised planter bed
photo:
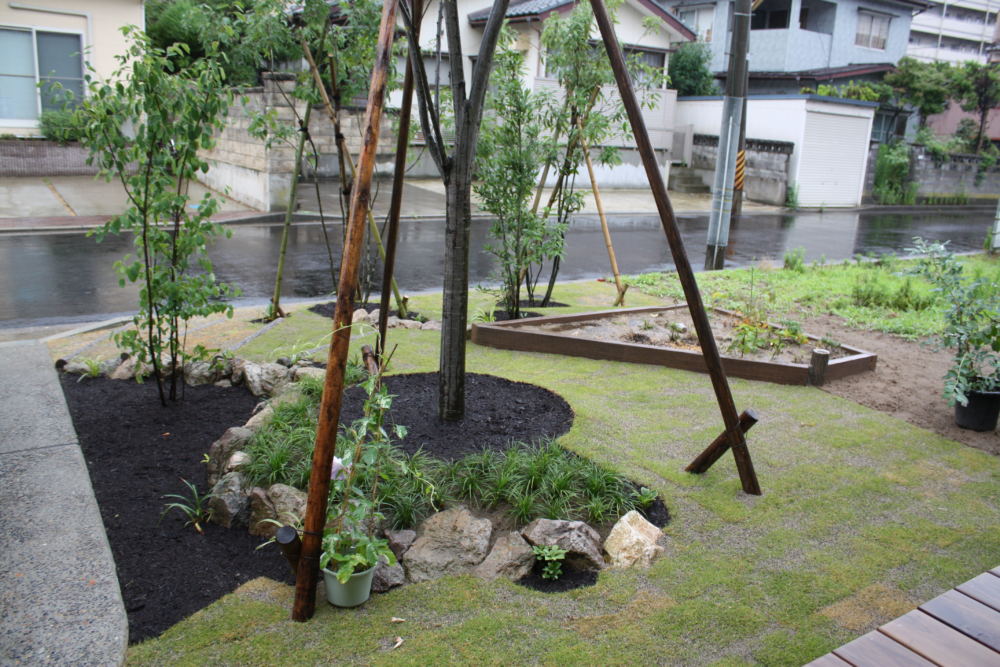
[514, 335]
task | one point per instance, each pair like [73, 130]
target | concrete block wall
[955, 176]
[39, 157]
[767, 166]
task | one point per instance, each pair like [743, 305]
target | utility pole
[995, 234]
[729, 133]
[740, 177]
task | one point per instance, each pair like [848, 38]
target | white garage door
[834, 154]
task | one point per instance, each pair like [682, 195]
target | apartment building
[954, 31]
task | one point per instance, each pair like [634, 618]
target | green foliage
[873, 291]
[892, 174]
[194, 506]
[510, 154]
[976, 87]
[352, 513]
[171, 118]
[972, 320]
[792, 196]
[254, 34]
[866, 91]
[689, 70]
[795, 260]
[62, 126]
[924, 86]
[553, 557]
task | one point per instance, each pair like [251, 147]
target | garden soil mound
[138, 451]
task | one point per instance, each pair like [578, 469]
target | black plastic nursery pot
[981, 413]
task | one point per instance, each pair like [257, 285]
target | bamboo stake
[620, 301]
[333, 388]
[331, 111]
[276, 310]
[710, 350]
[396, 200]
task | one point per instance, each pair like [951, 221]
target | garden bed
[138, 451]
[665, 336]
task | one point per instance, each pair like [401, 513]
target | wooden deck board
[924, 634]
[985, 589]
[969, 617]
[878, 650]
[828, 660]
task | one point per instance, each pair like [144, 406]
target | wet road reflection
[51, 278]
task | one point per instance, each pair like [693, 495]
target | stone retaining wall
[260, 176]
[40, 157]
[767, 166]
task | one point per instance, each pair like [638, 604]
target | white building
[954, 31]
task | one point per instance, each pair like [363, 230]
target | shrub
[892, 175]
[795, 260]
[61, 126]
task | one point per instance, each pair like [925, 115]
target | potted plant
[972, 330]
[350, 554]
[351, 549]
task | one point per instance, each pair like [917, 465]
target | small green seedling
[645, 497]
[194, 507]
[553, 557]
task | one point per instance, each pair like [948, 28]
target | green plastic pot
[356, 591]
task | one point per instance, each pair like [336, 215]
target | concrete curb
[58, 586]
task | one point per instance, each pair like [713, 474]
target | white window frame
[34, 30]
[867, 40]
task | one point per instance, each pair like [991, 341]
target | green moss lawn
[863, 517]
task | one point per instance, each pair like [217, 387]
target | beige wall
[98, 21]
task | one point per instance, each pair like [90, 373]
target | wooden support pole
[817, 366]
[713, 361]
[620, 299]
[396, 200]
[719, 446]
[291, 546]
[333, 388]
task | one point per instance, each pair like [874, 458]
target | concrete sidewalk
[58, 588]
[66, 203]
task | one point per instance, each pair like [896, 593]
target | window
[771, 16]
[32, 57]
[642, 60]
[873, 30]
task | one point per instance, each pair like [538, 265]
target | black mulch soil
[525, 303]
[503, 315]
[326, 309]
[497, 412]
[136, 452]
[657, 513]
[571, 578]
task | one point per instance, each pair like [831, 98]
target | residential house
[260, 176]
[652, 45]
[804, 43]
[53, 41]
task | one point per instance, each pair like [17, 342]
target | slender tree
[511, 151]
[976, 87]
[172, 117]
[924, 86]
[455, 165]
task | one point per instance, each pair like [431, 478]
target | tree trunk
[455, 300]
[293, 192]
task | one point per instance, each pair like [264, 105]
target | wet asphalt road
[63, 277]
